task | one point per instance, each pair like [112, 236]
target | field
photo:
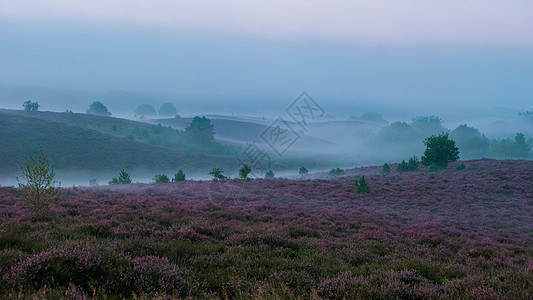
[422, 235]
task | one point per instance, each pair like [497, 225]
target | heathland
[455, 234]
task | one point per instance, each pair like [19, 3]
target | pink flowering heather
[421, 235]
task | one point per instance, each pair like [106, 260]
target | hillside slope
[70, 144]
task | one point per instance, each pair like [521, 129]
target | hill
[422, 235]
[82, 142]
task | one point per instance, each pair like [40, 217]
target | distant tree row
[469, 140]
[167, 109]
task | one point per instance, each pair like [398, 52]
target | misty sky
[423, 53]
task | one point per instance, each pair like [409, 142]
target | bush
[217, 174]
[31, 106]
[410, 166]
[361, 185]
[162, 178]
[336, 172]
[386, 168]
[123, 178]
[39, 186]
[460, 167]
[440, 151]
[244, 172]
[180, 176]
[303, 171]
[269, 174]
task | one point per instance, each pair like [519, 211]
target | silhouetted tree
[145, 110]
[168, 109]
[31, 106]
[201, 131]
[98, 108]
[471, 143]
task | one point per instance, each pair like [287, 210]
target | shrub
[440, 151]
[39, 186]
[244, 172]
[31, 106]
[460, 167]
[386, 168]
[180, 176]
[269, 174]
[410, 166]
[361, 185]
[336, 172]
[162, 178]
[217, 174]
[303, 171]
[123, 178]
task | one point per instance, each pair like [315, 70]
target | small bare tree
[39, 184]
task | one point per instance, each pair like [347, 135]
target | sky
[406, 53]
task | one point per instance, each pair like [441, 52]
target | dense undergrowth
[449, 234]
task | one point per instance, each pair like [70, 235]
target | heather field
[420, 235]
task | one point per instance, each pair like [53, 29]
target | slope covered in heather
[422, 235]
[84, 142]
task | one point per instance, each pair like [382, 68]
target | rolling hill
[80, 142]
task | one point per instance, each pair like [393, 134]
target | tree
[428, 124]
[303, 171]
[269, 174]
[361, 185]
[471, 143]
[145, 110]
[31, 106]
[244, 172]
[440, 151]
[123, 178]
[180, 176]
[98, 108]
[217, 174]
[161, 178]
[39, 186]
[385, 168]
[168, 109]
[201, 131]
[509, 148]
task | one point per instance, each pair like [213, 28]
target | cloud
[407, 22]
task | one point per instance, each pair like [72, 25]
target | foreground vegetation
[449, 234]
